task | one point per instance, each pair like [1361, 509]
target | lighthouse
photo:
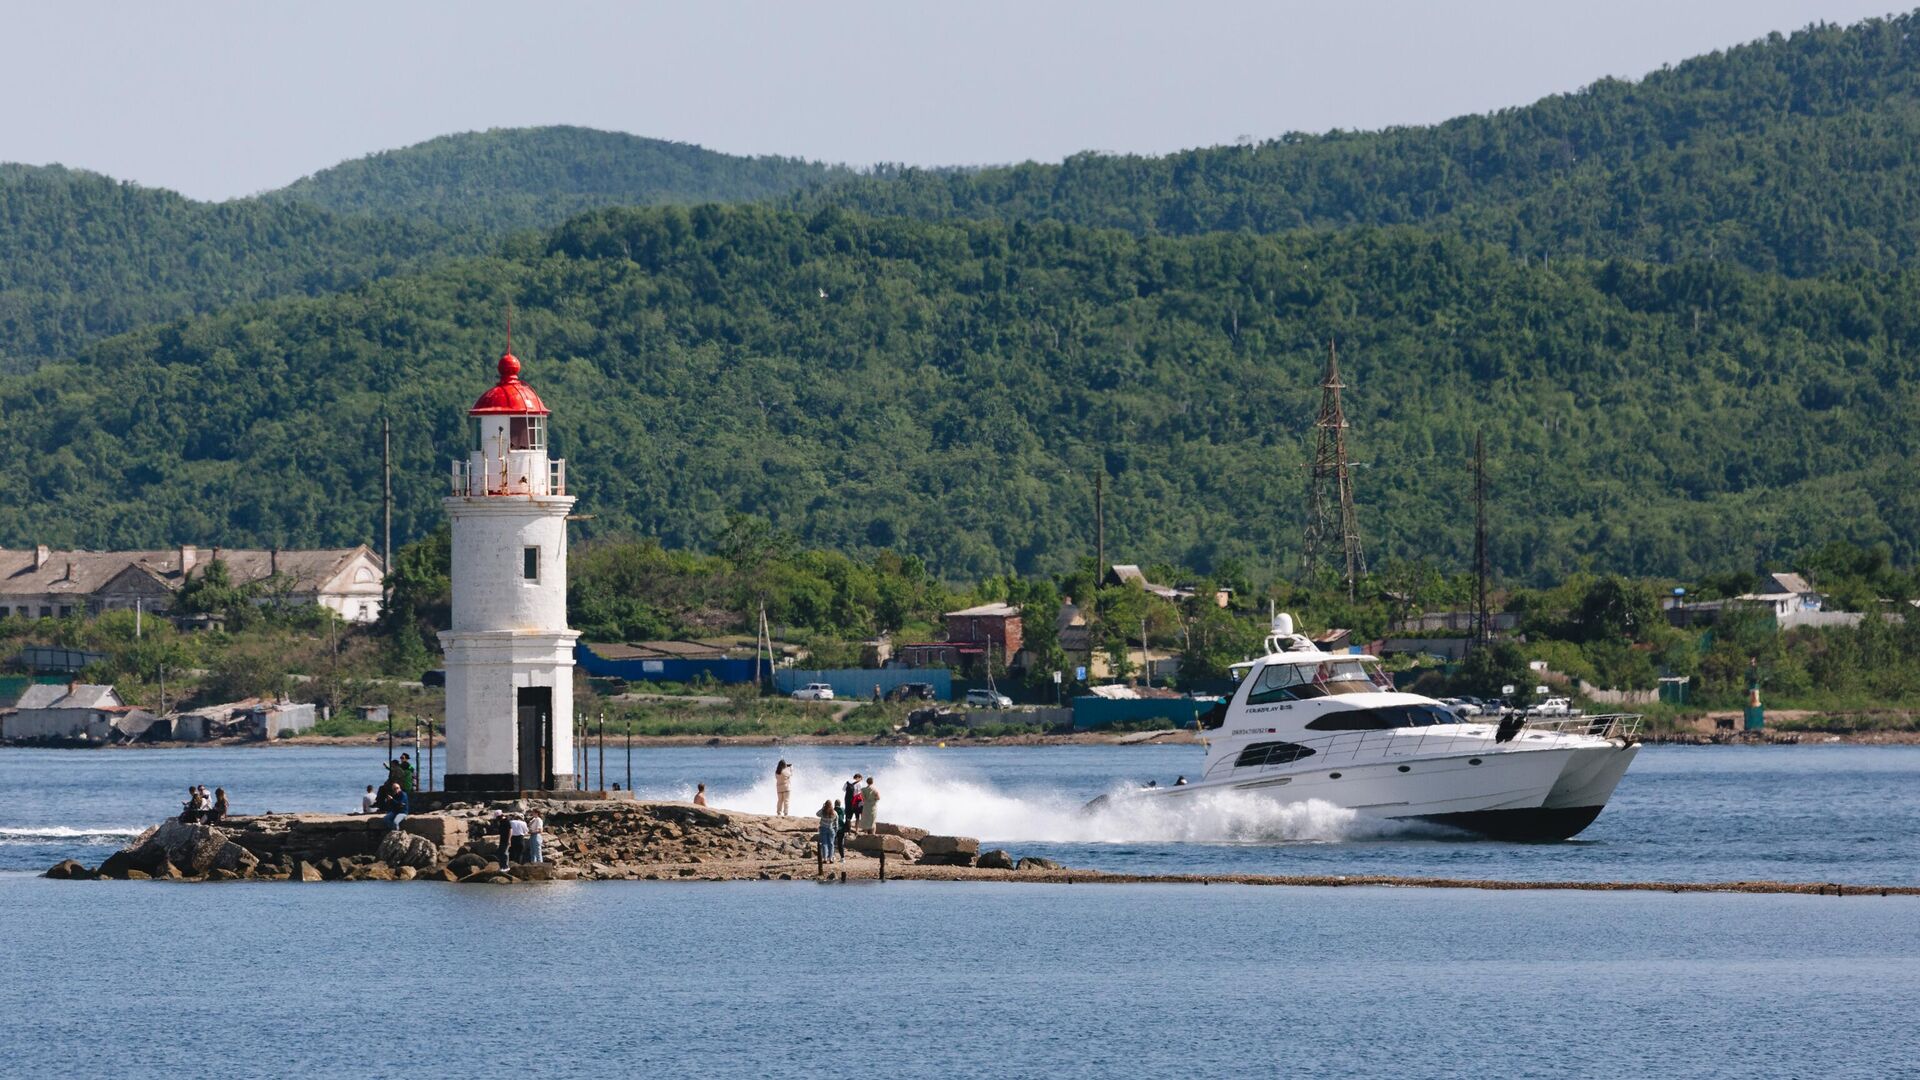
[509, 654]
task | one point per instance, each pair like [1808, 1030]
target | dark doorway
[536, 737]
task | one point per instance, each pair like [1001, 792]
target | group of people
[853, 813]
[521, 836]
[204, 808]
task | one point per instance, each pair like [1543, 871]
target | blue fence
[665, 670]
[858, 683]
[1092, 711]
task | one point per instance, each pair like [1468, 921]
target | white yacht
[1305, 724]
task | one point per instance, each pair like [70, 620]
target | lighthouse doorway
[536, 737]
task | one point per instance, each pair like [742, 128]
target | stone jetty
[597, 839]
[605, 839]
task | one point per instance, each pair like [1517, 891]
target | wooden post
[883, 862]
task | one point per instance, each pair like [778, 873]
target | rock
[442, 874]
[1035, 862]
[498, 879]
[946, 860]
[218, 874]
[908, 832]
[467, 863]
[407, 849]
[376, 872]
[875, 843]
[305, 871]
[166, 871]
[116, 865]
[138, 875]
[477, 876]
[68, 870]
[949, 845]
[532, 872]
[995, 860]
[405, 873]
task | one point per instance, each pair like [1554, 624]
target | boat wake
[41, 834]
[929, 791]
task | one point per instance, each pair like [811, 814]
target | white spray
[925, 789]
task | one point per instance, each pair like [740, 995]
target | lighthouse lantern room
[509, 654]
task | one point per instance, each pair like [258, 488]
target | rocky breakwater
[584, 840]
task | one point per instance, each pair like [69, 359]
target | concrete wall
[1099, 712]
[59, 724]
[856, 684]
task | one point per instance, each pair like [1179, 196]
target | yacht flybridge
[1305, 724]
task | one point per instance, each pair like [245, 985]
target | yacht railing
[1439, 740]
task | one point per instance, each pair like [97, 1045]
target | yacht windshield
[1390, 716]
[1294, 682]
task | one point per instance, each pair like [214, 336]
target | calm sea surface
[771, 979]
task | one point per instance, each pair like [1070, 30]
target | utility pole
[1330, 516]
[386, 505]
[1099, 527]
[1482, 621]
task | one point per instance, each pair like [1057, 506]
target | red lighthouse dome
[509, 396]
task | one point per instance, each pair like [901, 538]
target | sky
[218, 99]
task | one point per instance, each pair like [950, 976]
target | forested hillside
[1799, 154]
[950, 390]
[521, 178]
[83, 256]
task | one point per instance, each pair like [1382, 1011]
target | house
[1785, 594]
[76, 712]
[1498, 622]
[973, 634]
[1129, 574]
[997, 625]
[42, 583]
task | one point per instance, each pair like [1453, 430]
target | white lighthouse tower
[509, 656]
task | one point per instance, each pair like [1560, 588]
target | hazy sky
[218, 99]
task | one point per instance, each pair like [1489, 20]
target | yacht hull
[1538, 824]
[1550, 793]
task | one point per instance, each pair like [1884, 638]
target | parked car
[988, 699]
[1553, 706]
[912, 691]
[814, 691]
[1464, 706]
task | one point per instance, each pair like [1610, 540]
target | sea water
[774, 979]
[1821, 813]
[924, 979]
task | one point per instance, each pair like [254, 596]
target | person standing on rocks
[536, 837]
[869, 805]
[219, 812]
[852, 802]
[503, 829]
[401, 772]
[830, 826]
[782, 786]
[190, 810]
[517, 836]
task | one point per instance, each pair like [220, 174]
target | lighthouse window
[527, 433]
[530, 563]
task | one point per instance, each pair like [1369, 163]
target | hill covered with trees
[534, 178]
[83, 256]
[1799, 154]
[951, 390]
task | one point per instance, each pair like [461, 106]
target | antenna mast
[1331, 522]
[1482, 618]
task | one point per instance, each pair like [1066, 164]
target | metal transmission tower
[1482, 624]
[1331, 525]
